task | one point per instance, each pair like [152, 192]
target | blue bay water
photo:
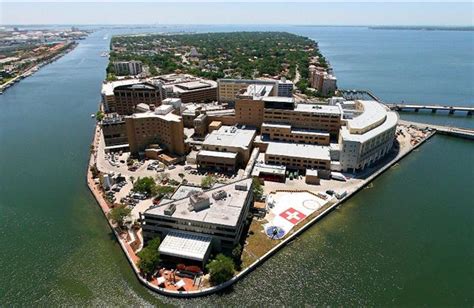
[406, 241]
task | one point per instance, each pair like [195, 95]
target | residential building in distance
[160, 126]
[218, 214]
[123, 68]
[322, 81]
[226, 148]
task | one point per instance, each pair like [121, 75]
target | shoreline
[131, 257]
[29, 72]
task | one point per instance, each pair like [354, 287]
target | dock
[366, 94]
[466, 133]
[433, 108]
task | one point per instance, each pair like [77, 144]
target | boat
[92, 115]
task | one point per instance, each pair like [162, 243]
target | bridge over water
[365, 94]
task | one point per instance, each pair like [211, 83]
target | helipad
[287, 209]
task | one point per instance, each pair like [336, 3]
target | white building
[368, 136]
[218, 214]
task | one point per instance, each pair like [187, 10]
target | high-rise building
[160, 126]
[127, 97]
[128, 68]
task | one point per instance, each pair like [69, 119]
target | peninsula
[212, 151]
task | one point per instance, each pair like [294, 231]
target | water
[407, 240]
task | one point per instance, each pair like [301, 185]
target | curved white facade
[367, 137]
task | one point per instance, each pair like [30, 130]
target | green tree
[149, 257]
[145, 185]
[95, 171]
[161, 191]
[208, 181]
[220, 269]
[99, 115]
[257, 189]
[118, 214]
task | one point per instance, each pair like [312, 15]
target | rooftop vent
[241, 186]
[199, 201]
[170, 209]
[218, 195]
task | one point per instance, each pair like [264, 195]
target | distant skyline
[446, 13]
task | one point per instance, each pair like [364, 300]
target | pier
[366, 94]
[433, 108]
[465, 133]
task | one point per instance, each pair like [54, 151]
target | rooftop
[373, 114]
[268, 169]
[315, 108]
[298, 150]
[391, 120]
[108, 87]
[224, 211]
[280, 99]
[171, 117]
[258, 90]
[217, 154]
[183, 191]
[184, 245]
[231, 136]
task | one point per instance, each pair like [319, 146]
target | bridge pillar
[451, 111]
[469, 113]
[434, 110]
[416, 109]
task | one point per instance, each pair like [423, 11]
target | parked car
[171, 167]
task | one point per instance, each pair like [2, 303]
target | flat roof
[305, 131]
[185, 245]
[391, 121]
[231, 136]
[373, 113]
[311, 172]
[246, 81]
[193, 85]
[183, 191]
[258, 90]
[316, 108]
[269, 169]
[151, 114]
[217, 154]
[298, 150]
[283, 99]
[108, 87]
[225, 212]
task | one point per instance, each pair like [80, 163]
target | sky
[441, 13]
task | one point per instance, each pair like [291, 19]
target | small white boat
[92, 115]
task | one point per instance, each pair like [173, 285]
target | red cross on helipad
[293, 215]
